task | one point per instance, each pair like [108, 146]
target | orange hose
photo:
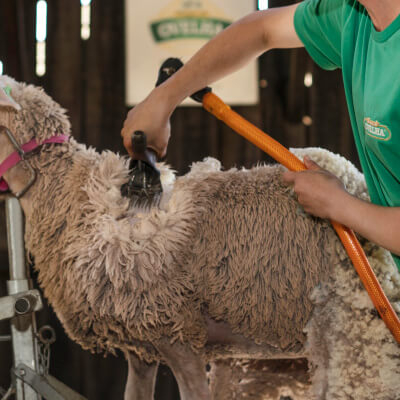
[217, 107]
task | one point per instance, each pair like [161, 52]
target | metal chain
[46, 336]
[44, 358]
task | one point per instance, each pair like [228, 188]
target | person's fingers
[289, 177]
[160, 151]
[127, 142]
[159, 143]
[310, 164]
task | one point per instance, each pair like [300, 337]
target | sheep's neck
[17, 179]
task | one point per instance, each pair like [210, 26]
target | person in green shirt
[360, 37]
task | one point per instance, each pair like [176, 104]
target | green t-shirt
[340, 34]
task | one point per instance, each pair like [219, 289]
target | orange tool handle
[217, 107]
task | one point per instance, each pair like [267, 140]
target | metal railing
[30, 379]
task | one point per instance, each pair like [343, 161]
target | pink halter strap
[15, 157]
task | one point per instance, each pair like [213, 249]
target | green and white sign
[187, 28]
[178, 28]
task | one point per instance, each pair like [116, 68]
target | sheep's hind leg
[141, 379]
[189, 370]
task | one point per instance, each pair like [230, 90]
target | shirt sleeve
[318, 23]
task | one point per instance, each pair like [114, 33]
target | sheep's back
[256, 255]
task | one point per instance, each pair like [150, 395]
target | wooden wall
[87, 78]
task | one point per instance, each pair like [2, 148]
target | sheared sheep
[227, 266]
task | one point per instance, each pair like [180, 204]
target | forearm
[231, 49]
[224, 54]
[378, 224]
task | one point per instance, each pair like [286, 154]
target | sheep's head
[27, 112]
[35, 114]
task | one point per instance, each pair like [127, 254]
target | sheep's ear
[6, 100]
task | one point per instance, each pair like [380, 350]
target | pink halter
[15, 157]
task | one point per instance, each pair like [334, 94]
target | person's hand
[152, 117]
[318, 191]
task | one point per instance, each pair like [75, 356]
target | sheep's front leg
[141, 379]
[189, 370]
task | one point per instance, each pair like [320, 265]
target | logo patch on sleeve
[377, 130]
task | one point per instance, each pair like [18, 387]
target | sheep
[226, 266]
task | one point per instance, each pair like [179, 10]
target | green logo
[376, 130]
[187, 28]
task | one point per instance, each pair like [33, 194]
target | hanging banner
[156, 30]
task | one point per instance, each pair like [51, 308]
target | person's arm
[227, 52]
[323, 195]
